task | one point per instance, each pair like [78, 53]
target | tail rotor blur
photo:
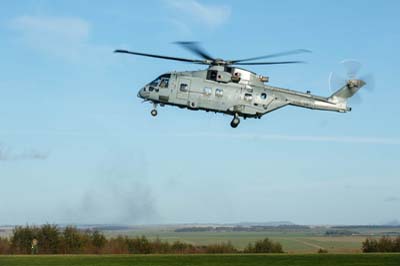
[351, 69]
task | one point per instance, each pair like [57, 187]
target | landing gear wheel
[235, 122]
[154, 112]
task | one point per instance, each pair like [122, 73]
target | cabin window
[263, 96]
[207, 91]
[248, 97]
[183, 87]
[219, 92]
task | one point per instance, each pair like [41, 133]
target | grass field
[293, 242]
[205, 260]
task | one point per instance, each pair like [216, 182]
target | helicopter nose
[144, 93]
[141, 93]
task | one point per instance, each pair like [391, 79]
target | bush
[264, 246]
[4, 246]
[180, 247]
[21, 240]
[139, 245]
[221, 248]
[384, 244]
[72, 241]
[117, 245]
[322, 251]
[48, 238]
[98, 241]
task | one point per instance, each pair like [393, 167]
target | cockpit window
[159, 81]
[164, 83]
[155, 82]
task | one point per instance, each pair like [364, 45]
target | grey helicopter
[226, 88]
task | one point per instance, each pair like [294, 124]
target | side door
[183, 89]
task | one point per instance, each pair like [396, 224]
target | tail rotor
[351, 82]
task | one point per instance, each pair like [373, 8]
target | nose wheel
[154, 111]
[235, 121]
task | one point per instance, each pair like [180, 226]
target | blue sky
[78, 146]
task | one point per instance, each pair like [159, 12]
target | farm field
[206, 260]
[292, 242]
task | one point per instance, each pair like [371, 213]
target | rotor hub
[219, 61]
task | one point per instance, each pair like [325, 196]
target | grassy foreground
[204, 260]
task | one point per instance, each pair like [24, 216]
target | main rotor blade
[297, 51]
[269, 63]
[196, 49]
[163, 57]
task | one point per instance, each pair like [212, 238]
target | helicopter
[225, 87]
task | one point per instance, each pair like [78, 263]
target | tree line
[51, 239]
[383, 244]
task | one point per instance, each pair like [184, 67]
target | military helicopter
[226, 88]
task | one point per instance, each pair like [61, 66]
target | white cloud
[65, 38]
[56, 35]
[194, 11]
[72, 29]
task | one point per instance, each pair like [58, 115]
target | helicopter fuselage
[230, 90]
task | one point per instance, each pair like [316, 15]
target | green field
[292, 242]
[204, 260]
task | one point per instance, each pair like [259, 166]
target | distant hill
[273, 223]
[253, 228]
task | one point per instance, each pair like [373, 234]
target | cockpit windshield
[162, 81]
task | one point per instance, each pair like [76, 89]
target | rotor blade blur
[269, 63]
[352, 67]
[162, 57]
[297, 51]
[356, 99]
[369, 82]
[196, 49]
[336, 82]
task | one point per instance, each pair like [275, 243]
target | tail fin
[351, 87]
